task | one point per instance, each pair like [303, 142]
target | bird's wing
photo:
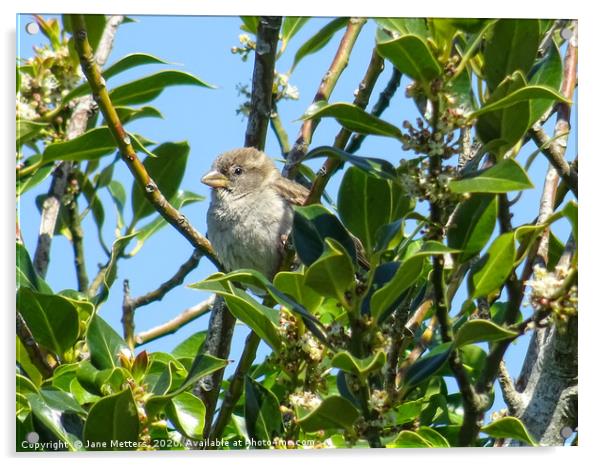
[291, 191]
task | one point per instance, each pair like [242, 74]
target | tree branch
[128, 154]
[77, 125]
[35, 353]
[221, 323]
[176, 323]
[329, 80]
[77, 234]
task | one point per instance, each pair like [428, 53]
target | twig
[221, 323]
[361, 99]
[77, 125]
[77, 234]
[511, 396]
[127, 316]
[236, 385]
[128, 154]
[35, 353]
[329, 80]
[176, 323]
[279, 131]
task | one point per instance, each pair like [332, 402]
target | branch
[362, 97]
[35, 353]
[339, 63]
[279, 131]
[221, 323]
[511, 396]
[77, 234]
[176, 323]
[128, 154]
[78, 123]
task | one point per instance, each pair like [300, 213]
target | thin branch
[127, 316]
[331, 77]
[279, 131]
[221, 323]
[35, 353]
[172, 326]
[361, 100]
[77, 234]
[511, 396]
[77, 125]
[236, 385]
[128, 154]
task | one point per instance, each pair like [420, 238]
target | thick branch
[331, 77]
[221, 323]
[128, 154]
[176, 323]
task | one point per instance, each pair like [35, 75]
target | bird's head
[240, 172]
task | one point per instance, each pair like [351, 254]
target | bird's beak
[215, 179]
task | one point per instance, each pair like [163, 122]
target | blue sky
[208, 120]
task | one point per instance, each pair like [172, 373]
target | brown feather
[291, 191]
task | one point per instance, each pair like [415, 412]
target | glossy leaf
[318, 40]
[332, 274]
[129, 114]
[378, 167]
[509, 427]
[190, 347]
[291, 26]
[148, 88]
[26, 274]
[409, 439]
[262, 412]
[203, 365]
[187, 413]
[28, 130]
[427, 366]
[366, 203]
[404, 26]
[334, 412]
[527, 93]
[167, 170]
[104, 344]
[52, 319]
[492, 270]
[250, 23]
[292, 284]
[479, 330]
[472, 225]
[571, 212]
[353, 118]
[91, 145]
[360, 367]
[311, 226]
[26, 183]
[113, 423]
[410, 55]
[434, 438]
[51, 420]
[512, 46]
[505, 176]
[547, 72]
[61, 401]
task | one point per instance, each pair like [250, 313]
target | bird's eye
[237, 171]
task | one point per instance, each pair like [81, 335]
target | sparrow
[250, 215]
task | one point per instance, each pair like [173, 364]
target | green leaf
[472, 225]
[311, 226]
[250, 23]
[26, 274]
[492, 270]
[30, 181]
[410, 55]
[332, 274]
[366, 203]
[509, 427]
[353, 118]
[527, 93]
[148, 88]
[478, 330]
[502, 129]
[52, 319]
[187, 413]
[571, 212]
[360, 367]
[512, 46]
[26, 364]
[91, 145]
[52, 420]
[167, 170]
[61, 401]
[318, 40]
[427, 365]
[113, 423]
[404, 26]
[262, 412]
[291, 26]
[334, 412]
[128, 114]
[111, 269]
[547, 72]
[409, 439]
[28, 130]
[104, 344]
[292, 284]
[377, 167]
[434, 438]
[190, 347]
[505, 176]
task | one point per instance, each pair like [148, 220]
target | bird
[251, 211]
